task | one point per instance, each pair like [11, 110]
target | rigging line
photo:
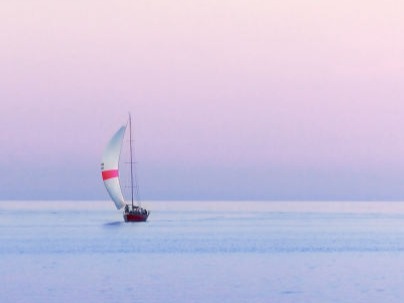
[133, 160]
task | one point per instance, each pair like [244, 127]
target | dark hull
[135, 217]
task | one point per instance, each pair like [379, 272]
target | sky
[231, 99]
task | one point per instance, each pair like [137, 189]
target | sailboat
[133, 212]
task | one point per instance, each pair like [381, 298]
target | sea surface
[82, 251]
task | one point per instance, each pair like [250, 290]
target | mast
[131, 160]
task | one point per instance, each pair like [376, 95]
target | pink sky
[231, 99]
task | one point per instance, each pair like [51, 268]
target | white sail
[109, 167]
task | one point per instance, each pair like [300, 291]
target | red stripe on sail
[108, 174]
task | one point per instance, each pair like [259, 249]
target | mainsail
[109, 167]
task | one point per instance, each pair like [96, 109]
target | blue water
[202, 252]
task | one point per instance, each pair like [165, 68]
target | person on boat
[126, 208]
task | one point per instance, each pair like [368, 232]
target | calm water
[202, 252]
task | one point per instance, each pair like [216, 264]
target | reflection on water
[116, 223]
